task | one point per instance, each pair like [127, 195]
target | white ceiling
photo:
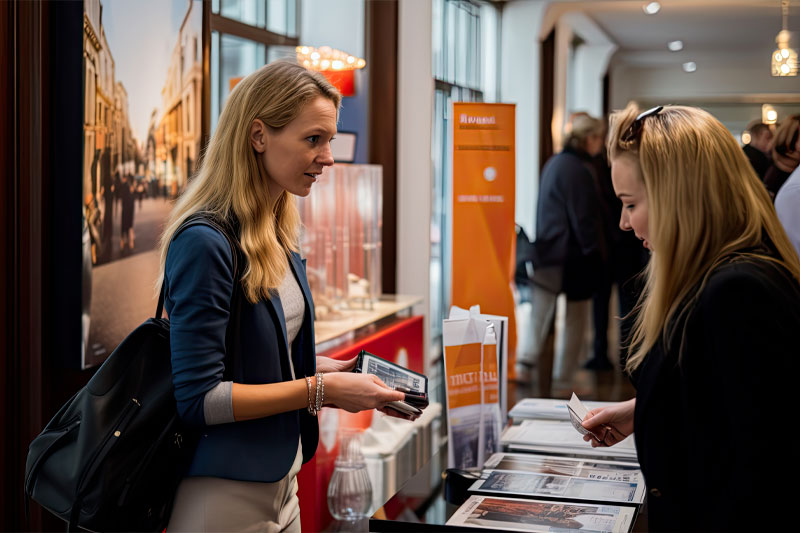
[711, 30]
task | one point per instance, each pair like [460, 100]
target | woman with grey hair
[568, 250]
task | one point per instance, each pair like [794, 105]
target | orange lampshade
[343, 80]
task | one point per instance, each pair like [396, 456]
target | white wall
[520, 79]
[415, 91]
[338, 24]
[579, 70]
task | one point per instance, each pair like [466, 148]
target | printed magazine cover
[541, 516]
[548, 485]
[566, 466]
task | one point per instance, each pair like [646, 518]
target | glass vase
[350, 490]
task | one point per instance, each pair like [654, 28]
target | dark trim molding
[547, 77]
[240, 29]
[381, 52]
[8, 295]
[23, 360]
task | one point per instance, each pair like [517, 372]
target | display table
[431, 513]
[329, 333]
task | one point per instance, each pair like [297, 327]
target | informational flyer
[551, 485]
[473, 409]
[566, 466]
[559, 436]
[513, 514]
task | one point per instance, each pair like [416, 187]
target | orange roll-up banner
[483, 211]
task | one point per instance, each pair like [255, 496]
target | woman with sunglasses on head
[717, 334]
[258, 422]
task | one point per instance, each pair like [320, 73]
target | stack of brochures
[560, 437]
[563, 478]
[546, 409]
[511, 514]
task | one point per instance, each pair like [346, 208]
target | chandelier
[784, 58]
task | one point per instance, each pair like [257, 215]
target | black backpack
[112, 457]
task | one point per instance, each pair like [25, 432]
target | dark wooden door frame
[547, 78]
[381, 51]
[23, 50]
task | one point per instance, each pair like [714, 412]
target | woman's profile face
[628, 186]
[295, 155]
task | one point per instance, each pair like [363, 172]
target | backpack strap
[205, 219]
[232, 354]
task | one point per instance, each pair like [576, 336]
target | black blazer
[711, 430]
[199, 281]
[569, 224]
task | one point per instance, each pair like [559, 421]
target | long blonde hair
[231, 181]
[705, 206]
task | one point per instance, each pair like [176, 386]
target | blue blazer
[199, 283]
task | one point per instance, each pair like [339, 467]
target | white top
[787, 204]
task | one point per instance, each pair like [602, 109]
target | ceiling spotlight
[675, 46]
[689, 66]
[651, 8]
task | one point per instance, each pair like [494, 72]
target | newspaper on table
[547, 409]
[560, 437]
[562, 487]
[566, 466]
[471, 380]
[512, 514]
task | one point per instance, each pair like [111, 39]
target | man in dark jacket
[568, 250]
[758, 148]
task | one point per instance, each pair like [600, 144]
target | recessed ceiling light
[675, 46]
[651, 8]
[689, 66]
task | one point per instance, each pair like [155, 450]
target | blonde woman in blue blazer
[257, 419]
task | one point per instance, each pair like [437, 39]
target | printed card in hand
[577, 412]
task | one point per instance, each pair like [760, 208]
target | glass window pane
[438, 38]
[285, 53]
[450, 41]
[238, 58]
[462, 46]
[215, 81]
[277, 16]
[291, 18]
[215, 6]
[248, 11]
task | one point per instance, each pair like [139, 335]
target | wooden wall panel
[381, 48]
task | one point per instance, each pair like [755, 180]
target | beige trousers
[216, 504]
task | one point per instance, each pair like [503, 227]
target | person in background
[715, 343]
[126, 193]
[568, 252]
[271, 144]
[785, 154]
[759, 147]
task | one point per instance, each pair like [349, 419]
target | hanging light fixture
[784, 58]
[337, 66]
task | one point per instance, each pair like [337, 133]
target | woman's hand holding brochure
[609, 425]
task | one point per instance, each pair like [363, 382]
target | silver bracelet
[320, 391]
[311, 410]
[317, 403]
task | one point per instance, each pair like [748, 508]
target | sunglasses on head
[635, 130]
